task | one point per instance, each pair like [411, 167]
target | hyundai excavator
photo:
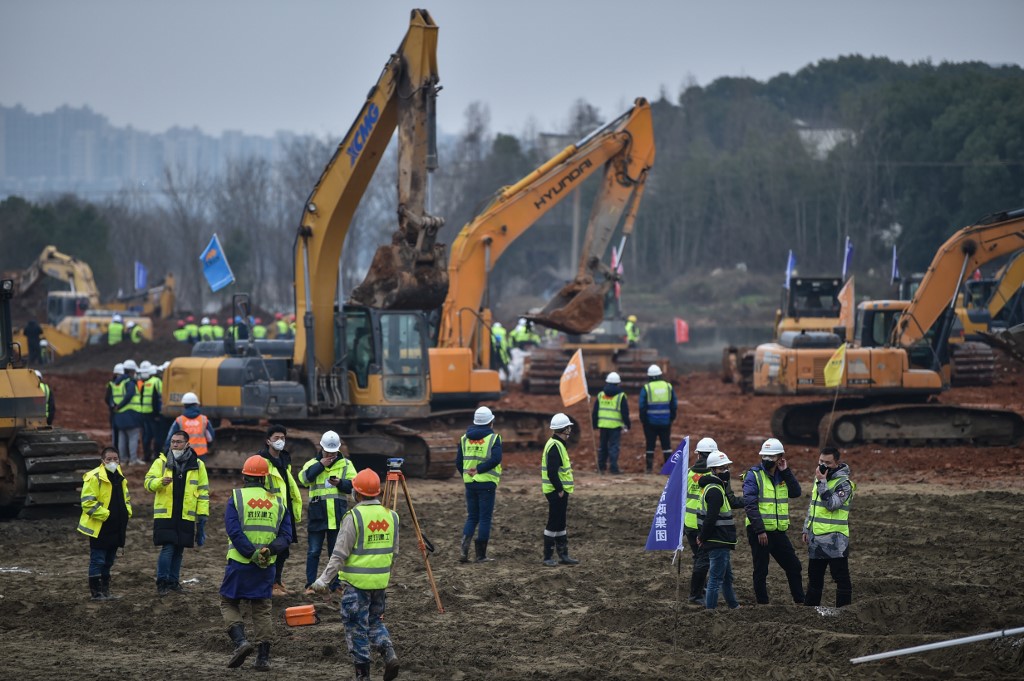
[624, 150]
[897, 364]
[40, 467]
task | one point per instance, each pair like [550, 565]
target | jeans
[779, 548]
[479, 509]
[100, 561]
[316, 546]
[609, 449]
[168, 563]
[720, 577]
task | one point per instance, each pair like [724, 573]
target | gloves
[318, 586]
[262, 557]
[200, 530]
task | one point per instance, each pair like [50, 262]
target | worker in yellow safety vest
[611, 417]
[478, 460]
[632, 331]
[106, 508]
[557, 485]
[827, 529]
[115, 330]
[328, 476]
[281, 481]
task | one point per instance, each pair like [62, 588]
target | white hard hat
[131, 325]
[330, 442]
[706, 445]
[772, 447]
[497, 325]
[654, 370]
[163, 367]
[613, 378]
[119, 368]
[44, 343]
[145, 366]
[204, 320]
[130, 365]
[117, 318]
[190, 398]
[482, 416]
[522, 321]
[560, 421]
[718, 459]
[38, 373]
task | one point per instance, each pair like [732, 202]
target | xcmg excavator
[897, 364]
[624, 149]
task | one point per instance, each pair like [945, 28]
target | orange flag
[573, 385]
[847, 308]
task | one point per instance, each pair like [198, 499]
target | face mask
[110, 467]
[179, 454]
[278, 445]
[768, 464]
[723, 476]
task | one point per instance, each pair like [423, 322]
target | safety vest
[119, 389]
[205, 332]
[632, 333]
[772, 502]
[195, 501]
[96, 491]
[196, 429]
[180, 334]
[259, 331]
[519, 335]
[823, 521]
[282, 328]
[115, 333]
[693, 493]
[275, 484]
[46, 397]
[192, 330]
[368, 566]
[609, 410]
[724, 533]
[218, 331]
[135, 334]
[564, 468]
[474, 453]
[322, 490]
[260, 514]
[150, 386]
[659, 397]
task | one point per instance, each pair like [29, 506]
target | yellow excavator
[624, 150]
[40, 467]
[897, 364]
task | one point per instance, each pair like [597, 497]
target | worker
[194, 422]
[205, 329]
[180, 508]
[519, 335]
[478, 460]
[657, 412]
[181, 333]
[134, 332]
[499, 347]
[716, 530]
[256, 524]
[259, 331]
[328, 476]
[127, 398]
[218, 330]
[281, 481]
[698, 469]
[191, 329]
[291, 323]
[116, 374]
[33, 332]
[106, 508]
[632, 331]
[557, 486]
[767, 489]
[46, 355]
[239, 330]
[115, 330]
[363, 557]
[281, 328]
[51, 407]
[151, 408]
[611, 417]
[827, 529]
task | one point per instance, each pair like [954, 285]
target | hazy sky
[306, 65]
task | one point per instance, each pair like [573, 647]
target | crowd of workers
[189, 330]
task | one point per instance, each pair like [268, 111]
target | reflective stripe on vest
[659, 396]
[474, 453]
[196, 495]
[725, 517]
[117, 393]
[96, 493]
[196, 429]
[136, 334]
[260, 514]
[609, 410]
[321, 488]
[692, 498]
[772, 502]
[823, 521]
[46, 398]
[149, 387]
[564, 468]
[368, 566]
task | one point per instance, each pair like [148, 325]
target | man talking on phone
[767, 489]
[329, 478]
[827, 528]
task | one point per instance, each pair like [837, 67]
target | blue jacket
[248, 580]
[656, 420]
[479, 433]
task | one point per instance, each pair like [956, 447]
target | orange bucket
[301, 615]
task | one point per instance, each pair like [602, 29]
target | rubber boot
[562, 543]
[96, 589]
[263, 657]
[243, 648]
[697, 581]
[466, 541]
[549, 551]
[481, 551]
[105, 588]
[162, 587]
[391, 665]
[362, 672]
[649, 458]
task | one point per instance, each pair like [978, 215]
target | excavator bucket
[1010, 340]
[578, 308]
[402, 278]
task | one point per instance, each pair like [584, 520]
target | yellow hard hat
[631, 318]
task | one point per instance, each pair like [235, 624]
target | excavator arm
[1010, 280]
[74, 272]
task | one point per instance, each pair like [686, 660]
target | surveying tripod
[390, 500]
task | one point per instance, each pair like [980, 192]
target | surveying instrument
[390, 500]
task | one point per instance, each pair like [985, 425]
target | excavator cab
[61, 304]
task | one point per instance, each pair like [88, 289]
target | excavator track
[798, 424]
[972, 363]
[48, 464]
[921, 425]
[544, 371]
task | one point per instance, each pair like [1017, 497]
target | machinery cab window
[809, 297]
[359, 347]
[403, 355]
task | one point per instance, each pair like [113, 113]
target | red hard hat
[190, 318]
[181, 323]
[256, 466]
[278, 315]
[366, 483]
[259, 320]
[213, 320]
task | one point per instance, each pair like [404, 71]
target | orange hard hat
[256, 466]
[367, 483]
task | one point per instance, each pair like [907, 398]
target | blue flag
[215, 266]
[790, 266]
[847, 257]
[667, 528]
[140, 275]
[895, 276]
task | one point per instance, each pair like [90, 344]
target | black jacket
[176, 530]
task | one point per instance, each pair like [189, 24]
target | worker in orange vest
[198, 427]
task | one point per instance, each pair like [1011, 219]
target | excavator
[898, 363]
[40, 467]
[624, 149]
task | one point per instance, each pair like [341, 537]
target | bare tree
[186, 218]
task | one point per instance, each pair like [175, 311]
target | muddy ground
[936, 555]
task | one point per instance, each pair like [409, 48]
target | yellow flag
[847, 308]
[573, 385]
[834, 368]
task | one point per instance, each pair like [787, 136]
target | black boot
[263, 657]
[549, 551]
[812, 597]
[162, 587]
[105, 587]
[481, 551]
[697, 580]
[844, 597]
[562, 543]
[466, 541]
[649, 458]
[362, 672]
[390, 662]
[96, 589]
[243, 648]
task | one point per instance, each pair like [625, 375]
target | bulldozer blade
[577, 309]
[400, 278]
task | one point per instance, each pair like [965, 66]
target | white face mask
[278, 445]
[110, 466]
[178, 454]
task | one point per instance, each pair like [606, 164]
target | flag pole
[835, 398]
[593, 441]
